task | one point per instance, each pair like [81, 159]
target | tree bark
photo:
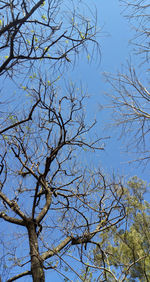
[36, 262]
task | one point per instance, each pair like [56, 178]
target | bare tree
[44, 189]
[130, 101]
[137, 12]
[31, 32]
[130, 95]
[52, 204]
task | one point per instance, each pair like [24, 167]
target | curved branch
[13, 205]
[11, 219]
[51, 253]
[19, 276]
[47, 204]
[22, 121]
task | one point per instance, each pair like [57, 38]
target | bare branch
[25, 273]
[22, 121]
[13, 205]
[56, 250]
[12, 219]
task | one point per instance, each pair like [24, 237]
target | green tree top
[125, 249]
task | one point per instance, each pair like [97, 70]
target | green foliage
[126, 248]
[87, 275]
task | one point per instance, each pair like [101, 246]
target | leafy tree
[124, 250]
[52, 204]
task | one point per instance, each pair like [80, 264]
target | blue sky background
[115, 50]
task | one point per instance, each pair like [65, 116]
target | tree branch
[13, 205]
[12, 219]
[47, 204]
[25, 273]
[22, 121]
[51, 253]
[21, 21]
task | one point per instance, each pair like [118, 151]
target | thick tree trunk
[36, 264]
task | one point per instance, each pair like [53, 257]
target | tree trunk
[36, 264]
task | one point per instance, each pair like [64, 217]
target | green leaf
[24, 87]
[88, 57]
[28, 42]
[43, 4]
[46, 49]
[5, 137]
[44, 17]
[36, 39]
[82, 36]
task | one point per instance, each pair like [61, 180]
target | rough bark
[36, 263]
